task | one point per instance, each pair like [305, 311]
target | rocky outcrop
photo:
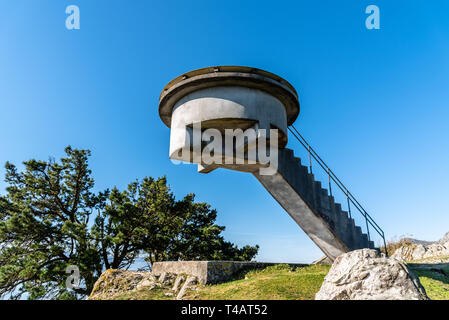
[114, 282]
[436, 252]
[368, 275]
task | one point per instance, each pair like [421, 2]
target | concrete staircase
[312, 208]
[243, 98]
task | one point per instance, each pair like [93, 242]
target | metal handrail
[350, 198]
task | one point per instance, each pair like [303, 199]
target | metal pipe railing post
[385, 246]
[349, 206]
[367, 228]
[310, 161]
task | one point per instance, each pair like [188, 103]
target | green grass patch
[282, 282]
[279, 282]
[430, 260]
[434, 278]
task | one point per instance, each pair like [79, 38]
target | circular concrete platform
[250, 79]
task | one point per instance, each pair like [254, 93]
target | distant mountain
[416, 241]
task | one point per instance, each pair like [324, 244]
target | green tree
[50, 219]
[44, 220]
[146, 218]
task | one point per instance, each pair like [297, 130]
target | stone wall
[210, 272]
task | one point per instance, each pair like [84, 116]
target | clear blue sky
[374, 103]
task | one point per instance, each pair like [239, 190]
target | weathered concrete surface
[230, 76]
[368, 275]
[209, 272]
[230, 98]
[312, 208]
[315, 227]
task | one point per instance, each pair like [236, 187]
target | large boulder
[368, 275]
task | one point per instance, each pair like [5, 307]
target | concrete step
[344, 226]
[298, 160]
[364, 240]
[311, 206]
[289, 152]
[351, 231]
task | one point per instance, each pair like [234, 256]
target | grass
[392, 246]
[434, 278]
[278, 282]
[281, 282]
[429, 260]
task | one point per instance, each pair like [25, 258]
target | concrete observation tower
[237, 118]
